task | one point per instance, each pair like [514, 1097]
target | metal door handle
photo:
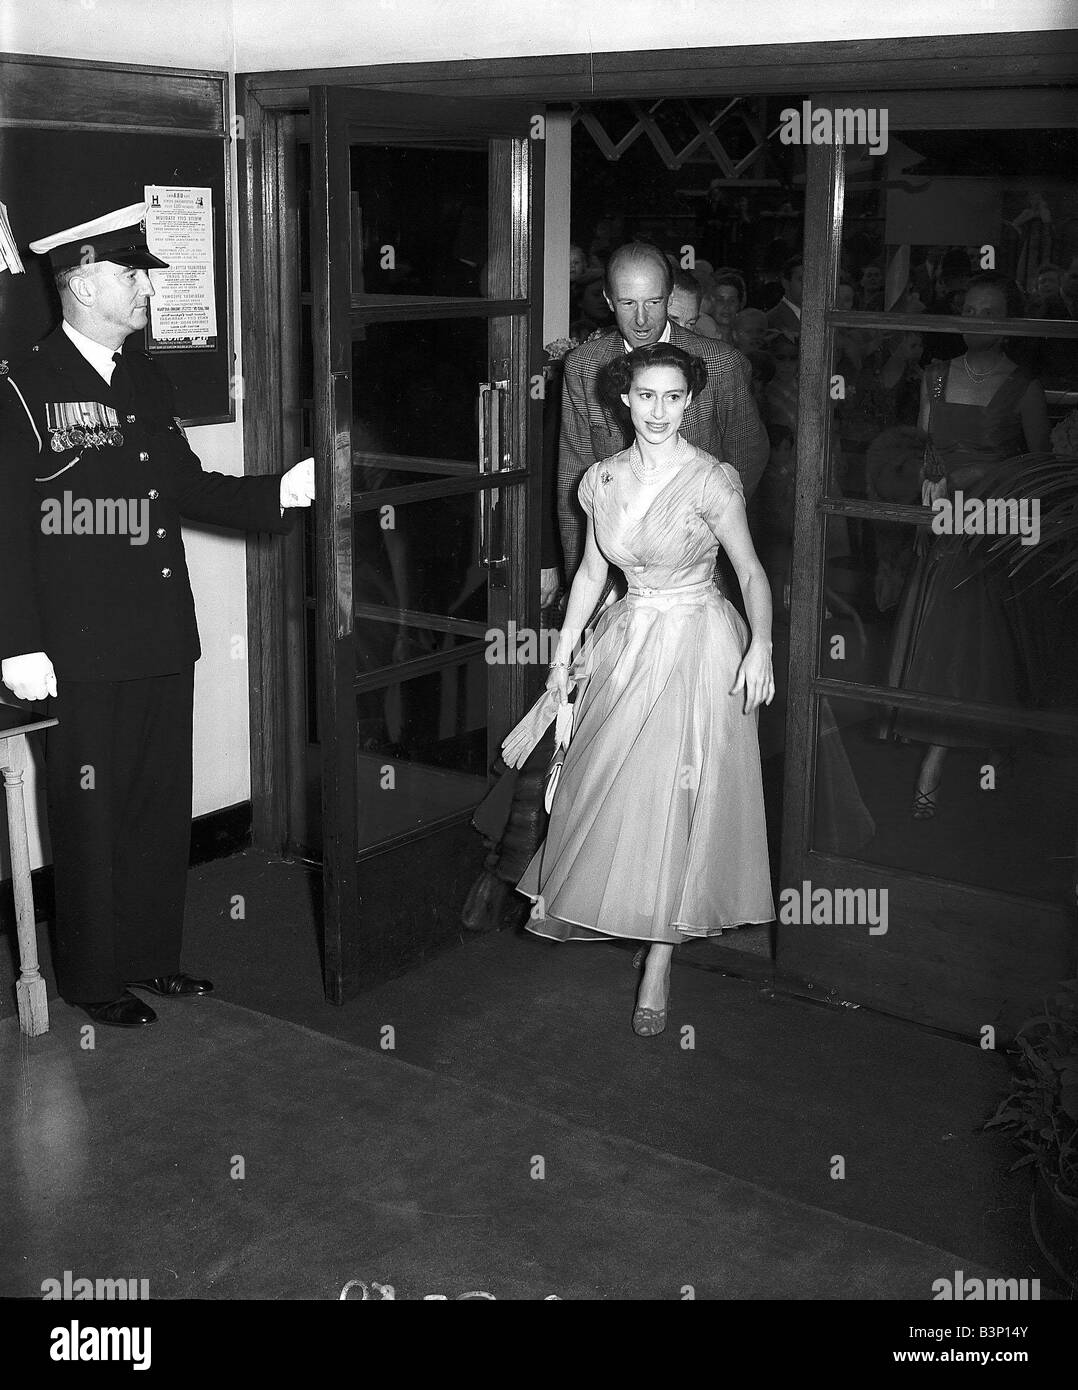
[492, 460]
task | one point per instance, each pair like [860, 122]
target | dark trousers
[118, 777]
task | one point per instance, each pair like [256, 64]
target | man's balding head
[638, 284]
[638, 254]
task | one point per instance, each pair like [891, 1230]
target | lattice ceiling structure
[733, 137]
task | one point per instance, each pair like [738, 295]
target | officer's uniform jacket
[99, 606]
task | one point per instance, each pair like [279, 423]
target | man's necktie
[122, 385]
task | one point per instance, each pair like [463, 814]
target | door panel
[980, 897]
[424, 335]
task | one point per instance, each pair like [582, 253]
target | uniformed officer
[96, 611]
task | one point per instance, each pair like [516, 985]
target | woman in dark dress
[958, 632]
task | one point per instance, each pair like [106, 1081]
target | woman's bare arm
[583, 596]
[756, 591]
[755, 675]
[1035, 423]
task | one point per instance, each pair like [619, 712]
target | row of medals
[82, 425]
[85, 437]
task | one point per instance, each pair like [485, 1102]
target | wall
[176, 34]
[184, 34]
[276, 34]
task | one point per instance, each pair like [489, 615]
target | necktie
[122, 386]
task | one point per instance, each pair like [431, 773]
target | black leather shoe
[125, 1012]
[173, 985]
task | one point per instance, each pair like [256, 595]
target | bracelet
[555, 664]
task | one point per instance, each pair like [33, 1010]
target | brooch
[605, 476]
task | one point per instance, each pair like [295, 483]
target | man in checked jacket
[723, 420]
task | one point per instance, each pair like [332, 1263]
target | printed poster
[179, 229]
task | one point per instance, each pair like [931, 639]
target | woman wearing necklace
[959, 631]
[657, 827]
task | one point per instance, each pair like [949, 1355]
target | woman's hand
[932, 490]
[558, 681]
[549, 584]
[755, 677]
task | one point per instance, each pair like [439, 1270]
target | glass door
[930, 824]
[423, 325]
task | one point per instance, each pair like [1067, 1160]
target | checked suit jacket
[722, 420]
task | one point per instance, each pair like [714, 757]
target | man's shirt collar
[791, 305]
[97, 354]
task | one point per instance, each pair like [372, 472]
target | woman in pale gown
[657, 828]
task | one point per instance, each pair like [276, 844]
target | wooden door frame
[266, 100]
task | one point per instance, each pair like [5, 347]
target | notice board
[52, 178]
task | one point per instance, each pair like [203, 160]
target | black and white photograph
[539, 638]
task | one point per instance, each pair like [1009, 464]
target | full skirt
[657, 829]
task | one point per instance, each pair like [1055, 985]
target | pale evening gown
[657, 827]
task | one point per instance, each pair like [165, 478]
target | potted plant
[1041, 1115]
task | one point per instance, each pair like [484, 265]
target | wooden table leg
[31, 990]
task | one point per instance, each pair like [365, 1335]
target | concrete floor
[772, 1091]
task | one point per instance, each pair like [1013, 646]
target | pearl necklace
[979, 376]
[645, 475]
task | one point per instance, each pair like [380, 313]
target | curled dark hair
[622, 370]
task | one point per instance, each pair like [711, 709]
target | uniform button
[143, 456]
[131, 419]
[166, 573]
[161, 533]
[153, 494]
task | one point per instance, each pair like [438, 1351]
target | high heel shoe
[924, 804]
[649, 1023]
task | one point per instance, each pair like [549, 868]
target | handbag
[563, 732]
[933, 485]
[519, 742]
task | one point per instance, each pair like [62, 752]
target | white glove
[30, 676]
[297, 485]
